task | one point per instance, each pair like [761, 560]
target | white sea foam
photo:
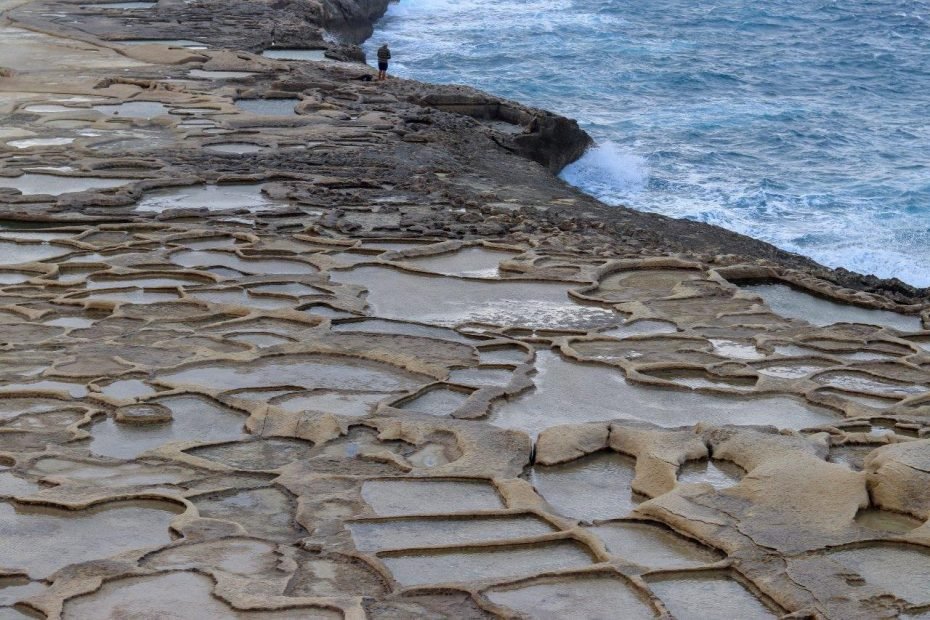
[609, 172]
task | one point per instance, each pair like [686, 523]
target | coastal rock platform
[280, 342]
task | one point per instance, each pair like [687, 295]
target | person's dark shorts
[382, 66]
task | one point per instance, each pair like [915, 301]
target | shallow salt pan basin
[899, 569]
[120, 5]
[133, 109]
[268, 107]
[468, 262]
[297, 54]
[570, 393]
[194, 419]
[219, 75]
[50, 109]
[194, 45]
[438, 532]
[440, 401]
[268, 266]
[31, 184]
[592, 597]
[410, 497]
[15, 253]
[38, 142]
[307, 371]
[717, 473]
[480, 564]
[41, 540]
[795, 304]
[653, 546]
[709, 595]
[212, 197]
[450, 301]
[592, 487]
[234, 148]
[145, 597]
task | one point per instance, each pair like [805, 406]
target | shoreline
[563, 144]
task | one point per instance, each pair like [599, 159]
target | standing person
[384, 55]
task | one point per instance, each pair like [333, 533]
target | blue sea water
[803, 123]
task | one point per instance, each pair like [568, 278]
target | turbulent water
[806, 124]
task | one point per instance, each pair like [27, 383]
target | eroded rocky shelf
[276, 342]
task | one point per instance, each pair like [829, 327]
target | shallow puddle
[296, 54]
[718, 474]
[794, 304]
[210, 197]
[570, 392]
[467, 262]
[409, 497]
[597, 486]
[711, 595]
[268, 107]
[902, 570]
[653, 547]
[194, 419]
[887, 521]
[32, 184]
[592, 597]
[851, 455]
[487, 563]
[133, 109]
[41, 540]
[449, 301]
[373, 536]
[191, 596]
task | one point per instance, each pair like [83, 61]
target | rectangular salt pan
[481, 564]
[794, 304]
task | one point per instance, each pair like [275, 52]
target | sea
[802, 123]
